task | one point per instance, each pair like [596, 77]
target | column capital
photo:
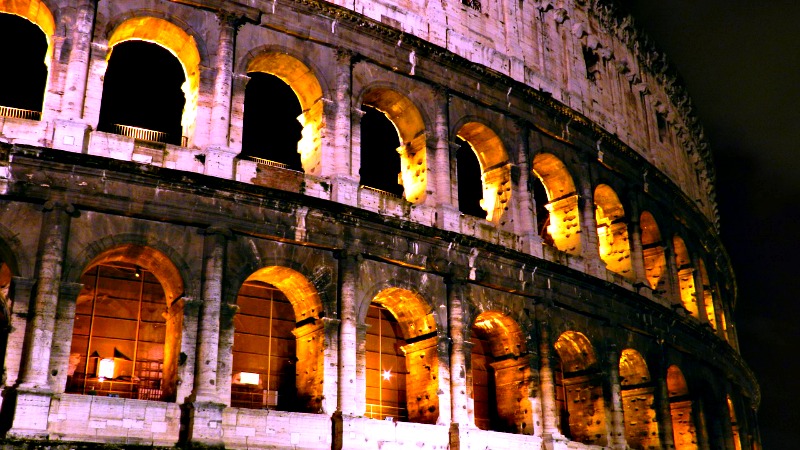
[230, 20]
[345, 55]
[214, 230]
[68, 208]
[70, 291]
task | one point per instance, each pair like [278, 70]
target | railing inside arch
[17, 113]
[385, 412]
[144, 134]
[268, 162]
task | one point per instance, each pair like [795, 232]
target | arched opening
[501, 375]
[685, 277]
[495, 169]
[151, 93]
[655, 263]
[541, 211]
[737, 440]
[612, 232]
[563, 218]
[271, 130]
[127, 331]
[25, 54]
[278, 343]
[708, 295]
[468, 169]
[641, 423]
[680, 406]
[579, 390]
[402, 361]
[142, 95]
[392, 127]
[283, 113]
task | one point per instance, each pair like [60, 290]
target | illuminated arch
[38, 13]
[500, 375]
[681, 409]
[685, 277]
[612, 231]
[401, 356]
[278, 342]
[562, 203]
[304, 83]
[641, 424]
[579, 390]
[708, 295]
[495, 168]
[120, 317]
[407, 120]
[176, 41]
[655, 262]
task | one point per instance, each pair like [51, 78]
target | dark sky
[740, 60]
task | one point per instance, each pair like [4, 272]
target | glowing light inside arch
[562, 203]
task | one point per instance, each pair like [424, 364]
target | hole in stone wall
[271, 130]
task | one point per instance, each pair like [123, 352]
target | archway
[495, 168]
[708, 295]
[685, 277]
[579, 390]
[681, 409]
[278, 343]
[401, 358]
[612, 232]
[183, 48]
[26, 54]
[655, 262]
[468, 171]
[127, 330]
[641, 423]
[501, 375]
[283, 97]
[563, 218]
[380, 142]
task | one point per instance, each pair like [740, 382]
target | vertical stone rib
[617, 417]
[78, 63]
[664, 413]
[53, 240]
[208, 346]
[458, 370]
[20, 295]
[347, 335]
[547, 385]
[341, 125]
[221, 109]
[442, 158]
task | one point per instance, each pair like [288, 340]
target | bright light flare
[387, 375]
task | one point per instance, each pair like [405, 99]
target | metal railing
[144, 134]
[18, 113]
[382, 192]
[383, 412]
[268, 162]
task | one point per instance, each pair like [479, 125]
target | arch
[500, 375]
[562, 205]
[27, 52]
[412, 347]
[681, 409]
[638, 398]
[655, 262]
[495, 168]
[612, 231]
[708, 295]
[579, 390]
[410, 126]
[120, 321]
[685, 277]
[37, 12]
[305, 84]
[178, 42]
[278, 343]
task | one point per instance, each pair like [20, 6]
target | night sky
[740, 60]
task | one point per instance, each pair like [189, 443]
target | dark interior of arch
[470, 186]
[24, 75]
[542, 214]
[270, 129]
[142, 88]
[380, 162]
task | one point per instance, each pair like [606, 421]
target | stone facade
[598, 316]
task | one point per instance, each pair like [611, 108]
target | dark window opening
[380, 162]
[24, 75]
[663, 129]
[470, 184]
[591, 60]
[270, 128]
[542, 214]
[142, 89]
[474, 4]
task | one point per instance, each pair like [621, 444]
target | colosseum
[360, 224]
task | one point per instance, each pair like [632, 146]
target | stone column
[637, 251]
[361, 368]
[458, 369]
[221, 106]
[443, 353]
[33, 393]
[699, 412]
[348, 267]
[330, 386]
[341, 125]
[78, 63]
[20, 295]
[441, 164]
[673, 294]
[205, 383]
[225, 349]
[617, 428]
[547, 385]
[589, 241]
[526, 209]
[62, 342]
[699, 291]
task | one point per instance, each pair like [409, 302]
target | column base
[554, 441]
[70, 135]
[219, 162]
[448, 218]
[31, 412]
[344, 189]
[205, 423]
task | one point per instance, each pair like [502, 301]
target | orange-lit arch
[655, 262]
[612, 232]
[681, 409]
[633, 368]
[495, 168]
[176, 41]
[575, 351]
[36, 12]
[412, 311]
[410, 126]
[562, 204]
[685, 277]
[301, 293]
[502, 332]
[305, 85]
